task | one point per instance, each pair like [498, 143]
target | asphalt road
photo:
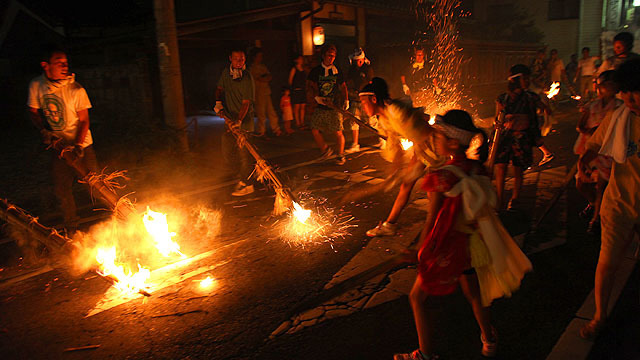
[259, 278]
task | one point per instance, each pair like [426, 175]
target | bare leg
[616, 236]
[356, 132]
[499, 171]
[517, 182]
[296, 114]
[287, 126]
[587, 190]
[416, 168]
[302, 113]
[471, 290]
[600, 186]
[422, 317]
[317, 136]
[545, 150]
[340, 141]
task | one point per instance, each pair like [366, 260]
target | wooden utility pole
[170, 76]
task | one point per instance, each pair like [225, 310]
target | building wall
[559, 34]
[590, 25]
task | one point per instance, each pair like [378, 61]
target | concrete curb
[570, 345]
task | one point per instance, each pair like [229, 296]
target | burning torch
[265, 171]
[495, 140]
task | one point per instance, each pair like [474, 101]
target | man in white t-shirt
[586, 70]
[59, 108]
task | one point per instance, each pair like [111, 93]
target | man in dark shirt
[326, 84]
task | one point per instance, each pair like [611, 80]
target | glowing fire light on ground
[323, 224]
[125, 280]
[406, 144]
[157, 226]
[153, 239]
[553, 90]
[206, 283]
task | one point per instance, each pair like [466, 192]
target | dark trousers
[63, 178]
[237, 160]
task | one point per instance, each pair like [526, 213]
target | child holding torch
[463, 241]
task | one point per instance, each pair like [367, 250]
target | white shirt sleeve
[32, 100]
[82, 99]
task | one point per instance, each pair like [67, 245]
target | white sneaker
[353, 148]
[242, 189]
[383, 229]
[340, 160]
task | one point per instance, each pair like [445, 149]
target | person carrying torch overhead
[236, 91]
[59, 107]
[400, 121]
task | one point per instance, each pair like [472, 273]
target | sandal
[591, 330]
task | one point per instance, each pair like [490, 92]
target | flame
[300, 213]
[157, 227]
[553, 90]
[406, 144]
[432, 120]
[576, 97]
[125, 281]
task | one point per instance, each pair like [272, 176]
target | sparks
[323, 224]
[553, 90]
[444, 87]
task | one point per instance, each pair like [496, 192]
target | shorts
[515, 147]
[298, 96]
[326, 120]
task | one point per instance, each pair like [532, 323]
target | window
[564, 9]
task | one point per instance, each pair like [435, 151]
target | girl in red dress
[462, 241]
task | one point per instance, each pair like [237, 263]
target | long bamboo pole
[265, 169]
[47, 236]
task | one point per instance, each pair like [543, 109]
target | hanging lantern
[318, 35]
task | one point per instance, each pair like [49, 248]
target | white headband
[514, 76]
[453, 132]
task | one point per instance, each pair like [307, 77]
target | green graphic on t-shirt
[53, 110]
[327, 85]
